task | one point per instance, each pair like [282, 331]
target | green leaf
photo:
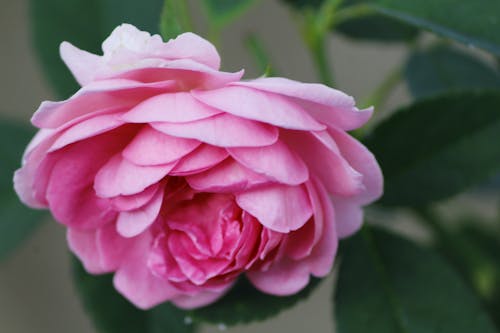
[17, 222]
[245, 304]
[390, 285]
[55, 21]
[84, 23]
[144, 15]
[438, 147]
[443, 68]
[301, 4]
[222, 12]
[375, 26]
[475, 23]
[111, 313]
[474, 251]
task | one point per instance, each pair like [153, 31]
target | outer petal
[223, 130]
[150, 147]
[256, 105]
[25, 177]
[200, 299]
[176, 107]
[69, 190]
[276, 161]
[82, 64]
[121, 177]
[278, 207]
[96, 97]
[192, 46]
[329, 106]
[326, 163]
[134, 280]
[364, 162]
[86, 129]
[284, 278]
[130, 41]
[322, 257]
[227, 177]
[201, 159]
[135, 201]
[186, 73]
[101, 250]
[132, 223]
[348, 214]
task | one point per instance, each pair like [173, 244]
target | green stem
[256, 48]
[174, 19]
[320, 56]
[380, 95]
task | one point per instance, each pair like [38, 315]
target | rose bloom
[179, 178]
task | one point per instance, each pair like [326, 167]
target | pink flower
[179, 178]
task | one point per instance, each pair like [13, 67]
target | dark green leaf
[439, 147]
[390, 285]
[16, 221]
[55, 21]
[375, 26]
[443, 68]
[474, 23]
[111, 313]
[145, 15]
[244, 304]
[475, 252]
[84, 23]
[222, 12]
[300, 4]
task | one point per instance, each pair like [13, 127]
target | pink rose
[179, 178]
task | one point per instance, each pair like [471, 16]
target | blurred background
[36, 291]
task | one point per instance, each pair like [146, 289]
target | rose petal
[132, 223]
[186, 73]
[223, 130]
[327, 105]
[326, 163]
[276, 161]
[69, 190]
[128, 39]
[227, 177]
[86, 129]
[134, 201]
[100, 250]
[82, 64]
[278, 207]
[176, 107]
[200, 299]
[284, 278]
[257, 105]
[134, 280]
[323, 254]
[96, 96]
[201, 159]
[121, 177]
[150, 147]
[364, 162]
